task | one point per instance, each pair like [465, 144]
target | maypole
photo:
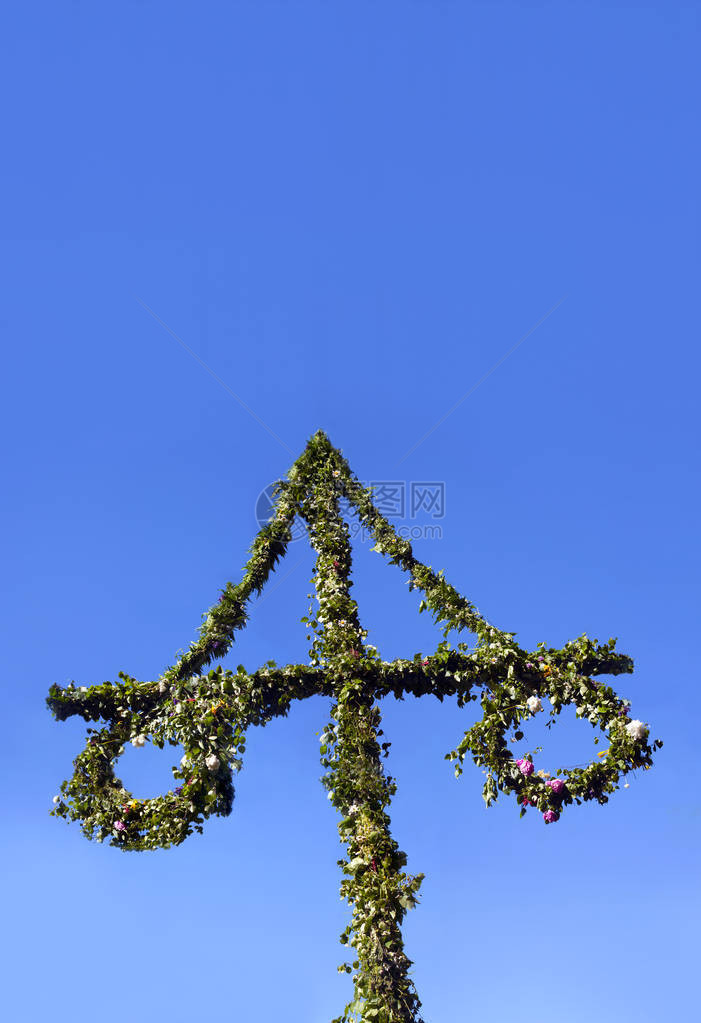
[209, 711]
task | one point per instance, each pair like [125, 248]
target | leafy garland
[209, 714]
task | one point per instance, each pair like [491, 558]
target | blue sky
[351, 213]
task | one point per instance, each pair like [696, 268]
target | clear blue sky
[350, 212]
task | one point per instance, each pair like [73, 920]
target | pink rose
[120, 826]
[525, 766]
[556, 784]
[550, 816]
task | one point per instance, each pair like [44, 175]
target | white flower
[83, 689]
[162, 686]
[534, 705]
[212, 761]
[184, 761]
[636, 730]
[353, 808]
[57, 799]
[139, 741]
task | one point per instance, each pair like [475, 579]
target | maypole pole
[376, 886]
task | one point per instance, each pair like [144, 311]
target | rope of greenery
[208, 714]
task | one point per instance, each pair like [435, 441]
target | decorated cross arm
[207, 711]
[207, 715]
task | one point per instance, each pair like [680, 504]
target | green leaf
[354, 866]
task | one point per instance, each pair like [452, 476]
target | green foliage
[208, 713]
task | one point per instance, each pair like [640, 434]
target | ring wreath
[506, 705]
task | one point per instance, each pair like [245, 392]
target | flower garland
[207, 715]
[209, 712]
[508, 703]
